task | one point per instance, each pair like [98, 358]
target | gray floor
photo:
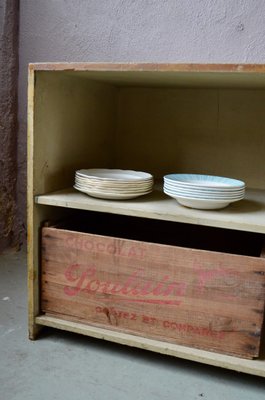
[66, 366]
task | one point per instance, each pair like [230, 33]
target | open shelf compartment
[246, 215]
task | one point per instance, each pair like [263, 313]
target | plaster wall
[203, 31]
[8, 118]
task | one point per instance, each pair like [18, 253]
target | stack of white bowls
[114, 184]
[205, 192]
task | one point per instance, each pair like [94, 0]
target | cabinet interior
[162, 123]
[164, 232]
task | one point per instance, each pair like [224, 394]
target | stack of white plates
[205, 192]
[115, 184]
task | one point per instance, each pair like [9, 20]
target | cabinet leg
[34, 331]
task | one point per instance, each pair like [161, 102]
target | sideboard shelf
[247, 215]
[255, 367]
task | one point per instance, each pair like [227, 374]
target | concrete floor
[66, 366]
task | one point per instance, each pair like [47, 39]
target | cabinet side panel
[70, 126]
[33, 289]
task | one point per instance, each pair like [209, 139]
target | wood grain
[246, 215]
[255, 367]
[202, 299]
[175, 67]
[78, 89]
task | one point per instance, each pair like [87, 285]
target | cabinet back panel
[208, 131]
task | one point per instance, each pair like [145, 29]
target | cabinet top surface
[160, 67]
[161, 74]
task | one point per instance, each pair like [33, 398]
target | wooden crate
[198, 298]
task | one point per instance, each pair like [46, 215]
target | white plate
[114, 174]
[207, 181]
[111, 196]
[112, 190]
[116, 184]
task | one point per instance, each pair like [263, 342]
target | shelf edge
[253, 367]
[153, 213]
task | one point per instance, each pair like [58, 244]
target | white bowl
[204, 181]
[201, 204]
[204, 195]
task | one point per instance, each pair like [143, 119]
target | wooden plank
[254, 367]
[53, 155]
[32, 243]
[178, 75]
[203, 299]
[175, 67]
[248, 214]
[35, 216]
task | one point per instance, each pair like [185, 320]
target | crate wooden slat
[204, 299]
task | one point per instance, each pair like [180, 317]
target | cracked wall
[8, 118]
